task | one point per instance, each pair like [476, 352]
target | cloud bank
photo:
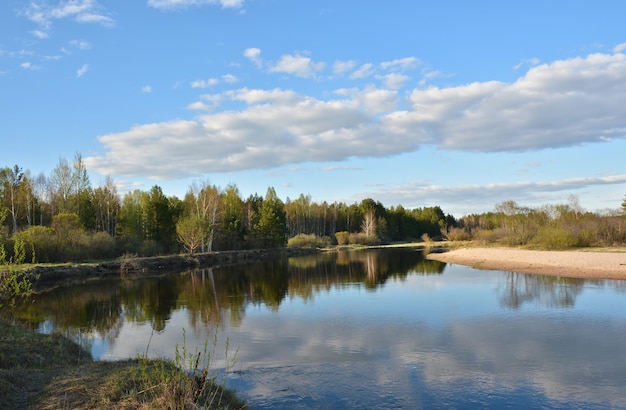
[560, 104]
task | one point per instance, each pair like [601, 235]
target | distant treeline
[61, 217]
[560, 226]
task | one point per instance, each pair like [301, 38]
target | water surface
[367, 329]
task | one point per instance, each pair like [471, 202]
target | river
[378, 328]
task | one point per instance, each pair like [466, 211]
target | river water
[366, 329]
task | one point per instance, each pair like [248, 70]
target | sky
[457, 104]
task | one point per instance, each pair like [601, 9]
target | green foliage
[272, 225]
[14, 282]
[554, 238]
[308, 241]
[343, 238]
[192, 232]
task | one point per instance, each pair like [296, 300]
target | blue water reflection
[371, 329]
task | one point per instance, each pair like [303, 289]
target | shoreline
[573, 263]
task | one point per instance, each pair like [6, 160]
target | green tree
[106, 204]
[232, 218]
[161, 214]
[272, 226]
[191, 231]
[202, 201]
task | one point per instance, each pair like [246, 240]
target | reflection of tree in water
[550, 291]
[212, 296]
[371, 268]
[151, 300]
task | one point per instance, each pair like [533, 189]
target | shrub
[102, 246]
[457, 234]
[343, 238]
[150, 247]
[40, 243]
[304, 240]
[364, 239]
[555, 238]
[488, 235]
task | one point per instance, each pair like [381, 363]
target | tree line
[61, 217]
[559, 226]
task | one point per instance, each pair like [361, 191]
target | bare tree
[369, 223]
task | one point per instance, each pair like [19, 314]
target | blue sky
[451, 103]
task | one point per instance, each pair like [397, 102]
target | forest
[61, 217]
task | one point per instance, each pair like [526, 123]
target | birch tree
[11, 180]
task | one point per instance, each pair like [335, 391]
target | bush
[40, 243]
[343, 238]
[308, 241]
[102, 246]
[457, 234]
[555, 238]
[488, 235]
[364, 239]
[150, 247]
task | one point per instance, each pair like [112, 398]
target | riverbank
[45, 277]
[606, 263]
[52, 372]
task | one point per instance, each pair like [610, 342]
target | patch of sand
[577, 264]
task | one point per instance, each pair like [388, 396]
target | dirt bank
[604, 264]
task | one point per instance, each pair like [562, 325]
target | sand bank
[578, 264]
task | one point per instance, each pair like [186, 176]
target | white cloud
[485, 196]
[82, 70]
[340, 67]
[366, 70]
[227, 78]
[209, 103]
[394, 80]
[565, 103]
[82, 11]
[527, 61]
[297, 65]
[80, 44]
[401, 64]
[562, 104]
[27, 65]
[254, 55]
[428, 75]
[256, 96]
[200, 106]
[204, 83]
[146, 89]
[619, 48]
[39, 34]
[173, 4]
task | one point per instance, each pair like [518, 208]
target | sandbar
[605, 264]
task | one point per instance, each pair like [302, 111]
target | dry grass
[51, 372]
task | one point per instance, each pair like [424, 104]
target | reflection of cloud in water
[555, 358]
[312, 361]
[559, 357]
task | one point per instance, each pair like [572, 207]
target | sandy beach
[579, 264]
